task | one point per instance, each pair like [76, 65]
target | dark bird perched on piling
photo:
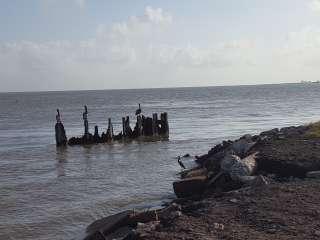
[180, 163]
[138, 111]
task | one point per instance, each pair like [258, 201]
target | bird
[138, 111]
[180, 163]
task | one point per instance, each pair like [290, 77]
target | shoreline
[255, 187]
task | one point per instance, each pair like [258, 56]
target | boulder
[194, 173]
[244, 167]
[110, 224]
[313, 174]
[241, 147]
[228, 161]
[237, 167]
[253, 181]
[95, 236]
[288, 158]
[190, 186]
[123, 233]
[270, 133]
[293, 131]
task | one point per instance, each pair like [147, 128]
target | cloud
[146, 51]
[315, 5]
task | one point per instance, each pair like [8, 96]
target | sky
[49, 45]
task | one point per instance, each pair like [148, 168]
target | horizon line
[146, 88]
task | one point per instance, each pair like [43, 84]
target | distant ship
[310, 81]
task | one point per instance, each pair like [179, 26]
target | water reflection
[61, 160]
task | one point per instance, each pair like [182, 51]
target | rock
[247, 137]
[216, 149]
[293, 131]
[201, 159]
[228, 161]
[241, 147]
[218, 226]
[317, 233]
[110, 224]
[144, 216]
[313, 174]
[253, 181]
[190, 186]
[270, 133]
[194, 173]
[289, 157]
[244, 167]
[95, 236]
[123, 233]
[150, 226]
[233, 200]
[212, 163]
[260, 181]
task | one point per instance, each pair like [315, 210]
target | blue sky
[100, 44]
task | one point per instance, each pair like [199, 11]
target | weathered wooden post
[110, 130]
[164, 123]
[139, 125]
[96, 136]
[124, 126]
[147, 126]
[128, 129]
[85, 122]
[61, 138]
[154, 124]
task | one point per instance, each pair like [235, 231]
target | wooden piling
[164, 123]
[123, 126]
[85, 122]
[129, 131]
[110, 130]
[154, 124]
[139, 125]
[147, 126]
[61, 138]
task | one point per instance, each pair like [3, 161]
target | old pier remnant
[145, 128]
[86, 123]
[61, 138]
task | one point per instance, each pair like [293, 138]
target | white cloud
[315, 5]
[144, 52]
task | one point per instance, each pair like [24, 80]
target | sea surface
[51, 193]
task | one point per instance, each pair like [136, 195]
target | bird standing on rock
[138, 111]
[181, 163]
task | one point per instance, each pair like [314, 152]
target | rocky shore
[256, 187]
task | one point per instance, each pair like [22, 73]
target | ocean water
[51, 193]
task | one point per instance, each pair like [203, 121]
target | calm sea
[49, 193]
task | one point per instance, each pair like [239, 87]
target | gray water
[49, 193]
